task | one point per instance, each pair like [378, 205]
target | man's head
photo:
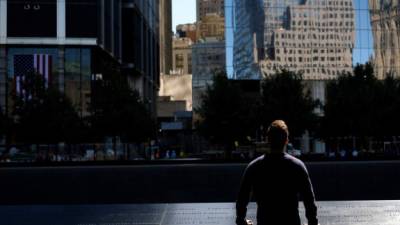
[278, 135]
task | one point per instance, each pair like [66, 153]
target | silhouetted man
[276, 179]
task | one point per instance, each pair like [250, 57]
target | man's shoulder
[294, 160]
[256, 162]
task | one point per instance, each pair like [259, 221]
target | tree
[361, 106]
[226, 113]
[117, 110]
[44, 115]
[349, 101]
[285, 97]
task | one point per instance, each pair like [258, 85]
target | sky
[184, 11]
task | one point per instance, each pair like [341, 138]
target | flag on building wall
[25, 64]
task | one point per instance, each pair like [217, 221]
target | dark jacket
[276, 181]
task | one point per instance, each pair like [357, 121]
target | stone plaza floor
[330, 213]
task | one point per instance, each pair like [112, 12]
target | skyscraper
[182, 55]
[80, 40]
[165, 36]
[248, 43]
[205, 7]
[385, 17]
[315, 37]
[212, 25]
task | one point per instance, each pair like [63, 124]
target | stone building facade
[188, 30]
[204, 7]
[165, 36]
[212, 25]
[385, 22]
[182, 56]
[315, 37]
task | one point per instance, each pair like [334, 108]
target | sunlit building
[165, 36]
[205, 7]
[182, 56]
[178, 87]
[188, 30]
[385, 17]
[315, 37]
[211, 26]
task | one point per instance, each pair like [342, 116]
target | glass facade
[78, 77]
[32, 18]
[248, 37]
[320, 38]
[77, 72]
[126, 33]
[12, 54]
[296, 35]
[78, 27]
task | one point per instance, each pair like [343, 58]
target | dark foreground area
[182, 183]
[330, 213]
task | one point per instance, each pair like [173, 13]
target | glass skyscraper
[248, 41]
[314, 37]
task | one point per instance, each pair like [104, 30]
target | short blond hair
[278, 134]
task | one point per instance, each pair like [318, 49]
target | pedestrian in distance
[276, 180]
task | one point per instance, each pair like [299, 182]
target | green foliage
[360, 105]
[284, 97]
[117, 110]
[44, 115]
[227, 114]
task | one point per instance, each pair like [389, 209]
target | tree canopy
[117, 110]
[226, 113]
[44, 115]
[285, 97]
[360, 105]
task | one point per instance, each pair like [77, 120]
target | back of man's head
[278, 136]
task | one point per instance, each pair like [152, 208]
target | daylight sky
[184, 11]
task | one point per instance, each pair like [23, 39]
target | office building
[205, 7]
[182, 56]
[385, 17]
[315, 37]
[165, 36]
[211, 26]
[209, 58]
[115, 35]
[248, 39]
[188, 30]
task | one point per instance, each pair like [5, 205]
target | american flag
[25, 64]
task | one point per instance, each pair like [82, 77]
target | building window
[75, 25]
[32, 18]
[77, 80]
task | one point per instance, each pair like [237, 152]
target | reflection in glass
[315, 37]
[78, 77]
[321, 38]
[385, 28]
